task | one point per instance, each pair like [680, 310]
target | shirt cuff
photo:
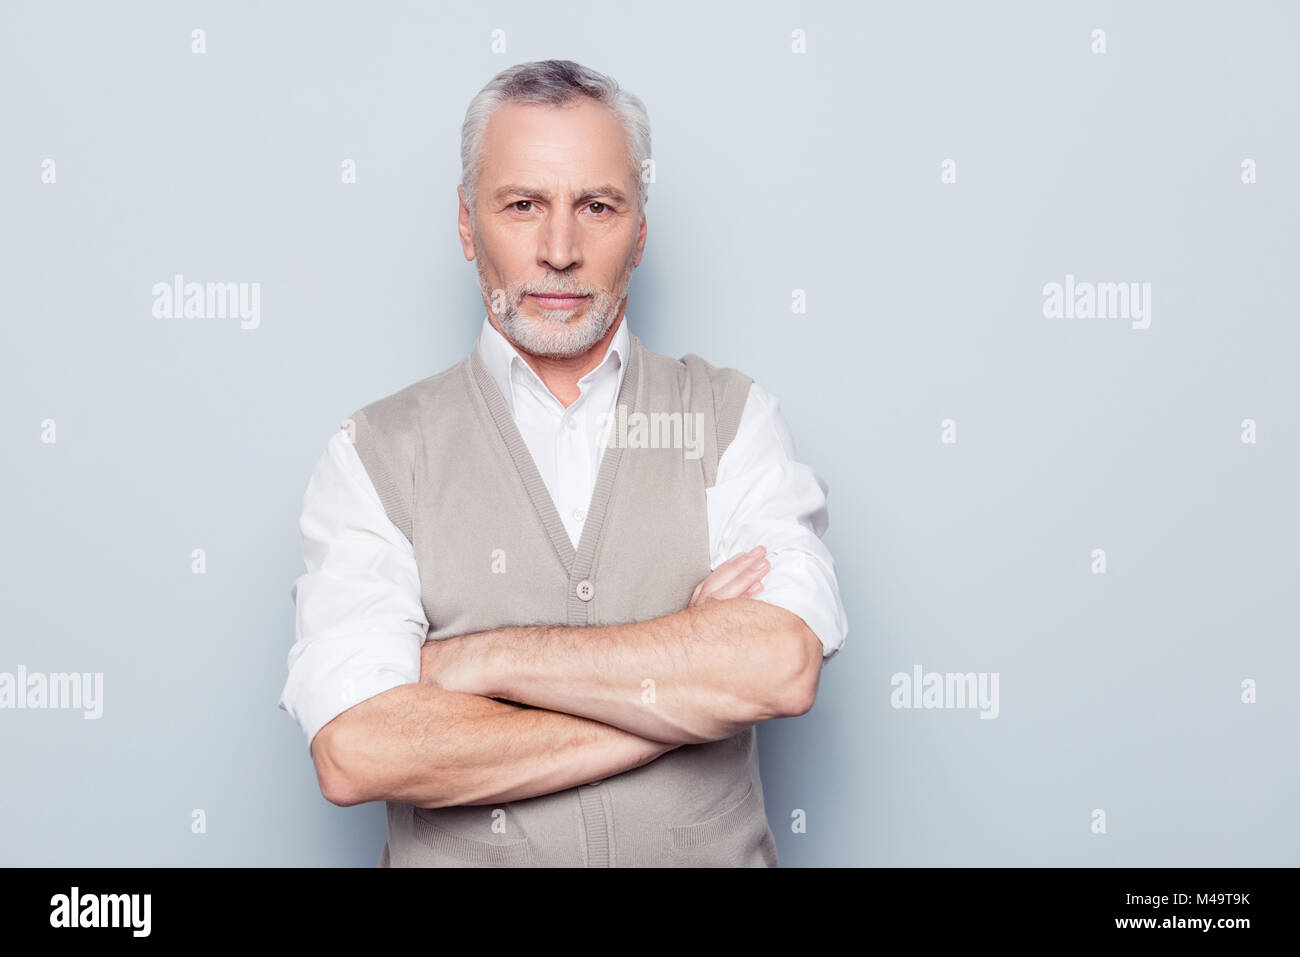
[328, 675]
[800, 583]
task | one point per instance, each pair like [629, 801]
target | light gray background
[775, 172]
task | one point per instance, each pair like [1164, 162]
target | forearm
[421, 744]
[697, 675]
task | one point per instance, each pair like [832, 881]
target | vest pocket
[446, 848]
[738, 837]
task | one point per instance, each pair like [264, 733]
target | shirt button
[586, 590]
[569, 423]
[579, 514]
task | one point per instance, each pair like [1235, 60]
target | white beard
[558, 332]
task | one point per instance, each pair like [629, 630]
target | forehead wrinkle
[526, 146]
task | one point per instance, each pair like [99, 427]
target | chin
[557, 315]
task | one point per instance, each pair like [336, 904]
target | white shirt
[360, 622]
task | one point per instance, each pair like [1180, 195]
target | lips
[550, 300]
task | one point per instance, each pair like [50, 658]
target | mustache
[557, 287]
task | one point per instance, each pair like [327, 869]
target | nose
[559, 243]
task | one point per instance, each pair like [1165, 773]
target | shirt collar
[508, 367]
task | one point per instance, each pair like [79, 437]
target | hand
[741, 577]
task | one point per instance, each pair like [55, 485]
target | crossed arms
[602, 700]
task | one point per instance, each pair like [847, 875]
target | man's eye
[602, 209]
[520, 204]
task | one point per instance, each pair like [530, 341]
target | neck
[560, 374]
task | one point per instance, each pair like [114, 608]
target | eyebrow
[606, 191]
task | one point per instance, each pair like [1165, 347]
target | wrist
[485, 663]
[470, 666]
[443, 663]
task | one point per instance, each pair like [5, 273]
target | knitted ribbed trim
[381, 475]
[729, 422]
[577, 563]
[724, 825]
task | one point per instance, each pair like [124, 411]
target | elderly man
[551, 590]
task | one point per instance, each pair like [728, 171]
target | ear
[465, 225]
[640, 243]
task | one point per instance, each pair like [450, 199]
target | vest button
[586, 590]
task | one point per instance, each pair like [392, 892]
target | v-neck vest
[456, 477]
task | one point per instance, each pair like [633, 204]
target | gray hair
[554, 82]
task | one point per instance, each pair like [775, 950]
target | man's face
[556, 231]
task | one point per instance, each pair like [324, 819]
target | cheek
[616, 256]
[511, 254]
[492, 265]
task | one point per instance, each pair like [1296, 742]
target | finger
[729, 570]
[740, 583]
[747, 569]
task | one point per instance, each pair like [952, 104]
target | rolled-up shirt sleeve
[764, 496]
[359, 623]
